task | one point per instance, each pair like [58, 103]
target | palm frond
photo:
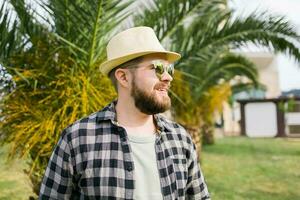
[246, 87]
[168, 15]
[273, 32]
[29, 27]
[10, 39]
[94, 21]
[222, 67]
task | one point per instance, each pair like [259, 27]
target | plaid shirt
[93, 160]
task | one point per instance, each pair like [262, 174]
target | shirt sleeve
[57, 181]
[196, 186]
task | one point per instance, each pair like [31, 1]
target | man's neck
[132, 119]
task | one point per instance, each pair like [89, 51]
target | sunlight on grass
[14, 184]
[245, 168]
[237, 168]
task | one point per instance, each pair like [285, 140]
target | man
[127, 150]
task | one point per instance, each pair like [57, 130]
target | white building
[261, 113]
[266, 64]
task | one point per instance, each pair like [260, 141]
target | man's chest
[108, 169]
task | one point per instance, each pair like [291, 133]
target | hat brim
[107, 66]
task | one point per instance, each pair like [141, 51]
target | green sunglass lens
[159, 68]
[171, 70]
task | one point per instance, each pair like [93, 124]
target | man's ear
[122, 76]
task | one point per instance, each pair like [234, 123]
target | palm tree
[55, 66]
[54, 61]
[204, 32]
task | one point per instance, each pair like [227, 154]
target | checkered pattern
[93, 160]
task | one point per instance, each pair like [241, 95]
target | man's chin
[167, 104]
[156, 107]
[164, 104]
[162, 97]
[157, 102]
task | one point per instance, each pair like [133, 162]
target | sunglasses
[161, 68]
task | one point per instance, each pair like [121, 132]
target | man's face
[150, 92]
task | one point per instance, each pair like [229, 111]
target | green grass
[261, 169]
[235, 168]
[14, 184]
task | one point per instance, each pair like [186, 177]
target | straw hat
[133, 43]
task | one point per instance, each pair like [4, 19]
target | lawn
[14, 184]
[261, 169]
[236, 168]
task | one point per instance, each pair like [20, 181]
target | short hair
[125, 65]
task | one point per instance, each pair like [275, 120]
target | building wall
[266, 64]
[268, 73]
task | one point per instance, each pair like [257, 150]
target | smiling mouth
[162, 89]
[163, 92]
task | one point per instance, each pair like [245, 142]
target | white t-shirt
[147, 182]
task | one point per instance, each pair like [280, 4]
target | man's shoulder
[170, 124]
[87, 122]
[87, 126]
[175, 130]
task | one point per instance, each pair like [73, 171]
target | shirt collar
[109, 113]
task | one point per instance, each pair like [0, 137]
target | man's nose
[166, 76]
